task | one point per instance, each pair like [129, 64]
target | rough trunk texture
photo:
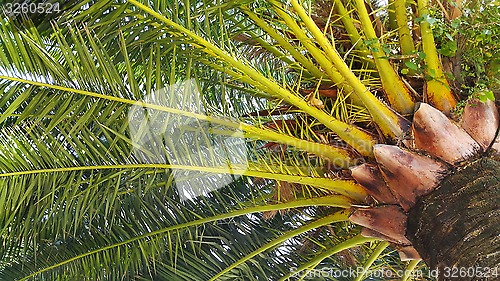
[456, 228]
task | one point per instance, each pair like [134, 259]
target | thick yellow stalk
[349, 26]
[396, 91]
[437, 89]
[316, 52]
[390, 123]
[353, 33]
[339, 157]
[392, 16]
[285, 44]
[405, 39]
[360, 140]
[345, 187]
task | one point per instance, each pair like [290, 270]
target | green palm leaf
[195, 140]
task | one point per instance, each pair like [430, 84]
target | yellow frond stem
[349, 26]
[405, 39]
[360, 140]
[348, 188]
[390, 123]
[338, 156]
[392, 16]
[396, 91]
[317, 53]
[316, 72]
[437, 89]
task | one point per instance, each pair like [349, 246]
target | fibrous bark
[458, 225]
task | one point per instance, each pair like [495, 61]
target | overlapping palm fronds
[154, 140]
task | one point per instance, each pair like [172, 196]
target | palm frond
[196, 140]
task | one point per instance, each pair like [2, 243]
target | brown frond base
[458, 224]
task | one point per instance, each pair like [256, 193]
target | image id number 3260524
[16, 9]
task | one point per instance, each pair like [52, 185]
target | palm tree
[243, 140]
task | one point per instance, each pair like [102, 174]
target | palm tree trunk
[455, 229]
